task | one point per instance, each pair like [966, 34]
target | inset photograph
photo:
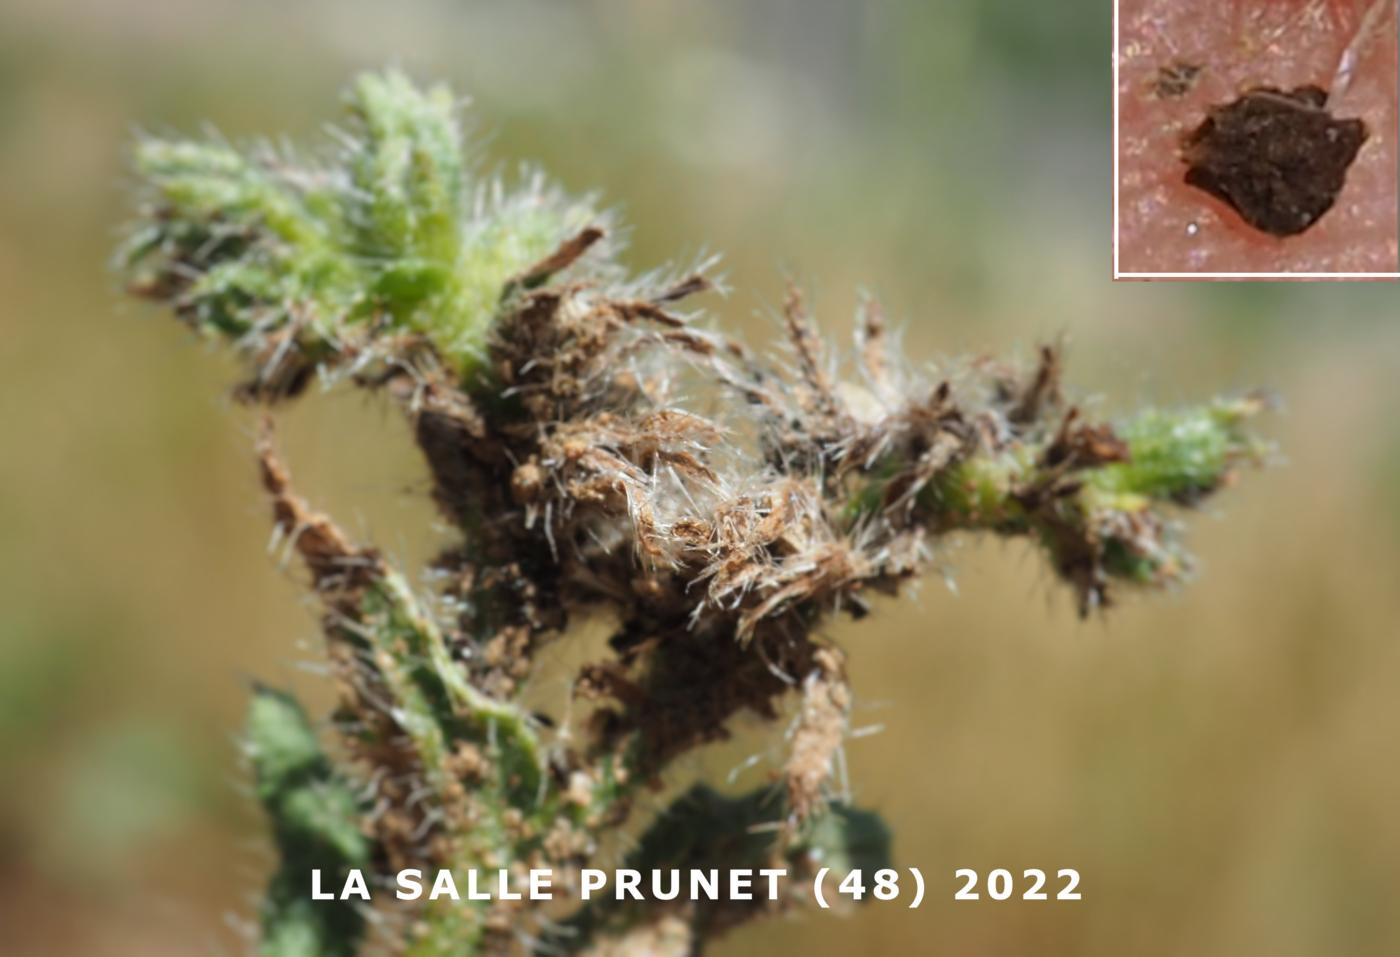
[1255, 139]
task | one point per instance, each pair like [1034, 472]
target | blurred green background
[1219, 764]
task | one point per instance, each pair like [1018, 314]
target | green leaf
[316, 822]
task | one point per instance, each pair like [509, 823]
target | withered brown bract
[1278, 158]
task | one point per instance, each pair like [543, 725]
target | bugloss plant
[600, 451]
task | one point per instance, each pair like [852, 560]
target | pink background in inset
[1283, 43]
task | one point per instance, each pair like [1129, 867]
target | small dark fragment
[1278, 159]
[1175, 80]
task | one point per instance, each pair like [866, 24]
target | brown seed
[1278, 159]
[1175, 80]
[526, 483]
